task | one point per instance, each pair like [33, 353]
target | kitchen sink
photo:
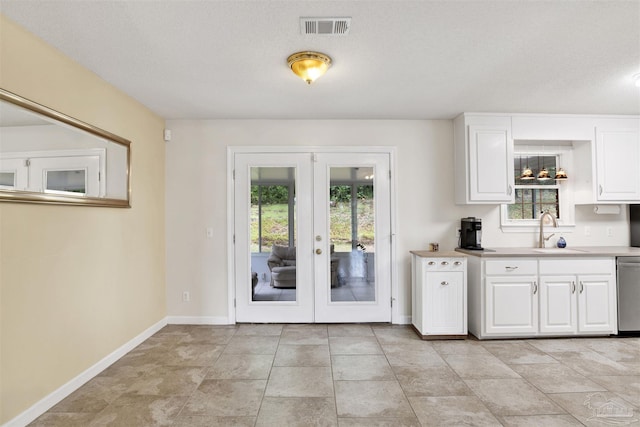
[559, 251]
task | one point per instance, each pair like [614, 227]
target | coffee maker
[471, 233]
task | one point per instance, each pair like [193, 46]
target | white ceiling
[402, 59]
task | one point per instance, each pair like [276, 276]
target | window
[272, 208]
[533, 196]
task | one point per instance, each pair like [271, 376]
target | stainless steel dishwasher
[629, 294]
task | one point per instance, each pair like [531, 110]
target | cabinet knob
[432, 263]
[444, 283]
[457, 263]
[444, 263]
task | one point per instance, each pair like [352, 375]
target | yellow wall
[76, 283]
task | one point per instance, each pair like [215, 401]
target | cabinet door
[511, 305]
[490, 164]
[617, 159]
[596, 304]
[445, 303]
[558, 304]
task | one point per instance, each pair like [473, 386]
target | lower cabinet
[439, 296]
[511, 305]
[542, 297]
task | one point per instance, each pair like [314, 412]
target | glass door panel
[273, 254]
[352, 228]
[273, 236]
[352, 232]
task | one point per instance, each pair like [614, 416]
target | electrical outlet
[587, 231]
[186, 296]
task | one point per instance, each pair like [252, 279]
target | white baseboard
[197, 320]
[403, 320]
[47, 402]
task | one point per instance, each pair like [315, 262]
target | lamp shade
[561, 175]
[527, 174]
[543, 175]
[309, 65]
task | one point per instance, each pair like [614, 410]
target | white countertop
[437, 254]
[573, 251]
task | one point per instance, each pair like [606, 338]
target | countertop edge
[586, 251]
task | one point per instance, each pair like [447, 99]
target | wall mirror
[49, 157]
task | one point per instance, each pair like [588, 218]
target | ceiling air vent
[325, 26]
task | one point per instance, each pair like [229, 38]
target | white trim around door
[269, 152]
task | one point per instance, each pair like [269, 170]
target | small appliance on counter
[471, 233]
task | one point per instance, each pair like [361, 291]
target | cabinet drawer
[511, 267]
[444, 264]
[583, 266]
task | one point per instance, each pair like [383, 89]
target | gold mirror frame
[48, 198]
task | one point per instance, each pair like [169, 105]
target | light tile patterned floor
[357, 375]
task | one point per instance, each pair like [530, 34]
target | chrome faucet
[555, 224]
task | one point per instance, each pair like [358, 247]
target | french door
[312, 237]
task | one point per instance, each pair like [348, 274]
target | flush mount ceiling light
[309, 65]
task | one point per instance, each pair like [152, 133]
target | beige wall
[76, 283]
[197, 193]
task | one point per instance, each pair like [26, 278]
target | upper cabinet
[483, 159]
[606, 155]
[617, 160]
[607, 166]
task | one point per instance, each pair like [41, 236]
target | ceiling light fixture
[309, 65]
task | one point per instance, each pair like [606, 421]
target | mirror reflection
[48, 157]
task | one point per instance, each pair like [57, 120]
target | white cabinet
[542, 296]
[483, 159]
[597, 304]
[582, 302]
[512, 305]
[510, 296]
[558, 304]
[439, 296]
[617, 158]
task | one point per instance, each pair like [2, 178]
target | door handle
[581, 286]
[535, 288]
[318, 251]
[573, 287]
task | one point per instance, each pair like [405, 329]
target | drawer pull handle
[573, 287]
[432, 263]
[581, 286]
[444, 263]
[509, 268]
[457, 263]
[444, 283]
[535, 287]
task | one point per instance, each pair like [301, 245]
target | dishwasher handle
[629, 264]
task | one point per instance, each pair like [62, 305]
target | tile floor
[357, 375]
